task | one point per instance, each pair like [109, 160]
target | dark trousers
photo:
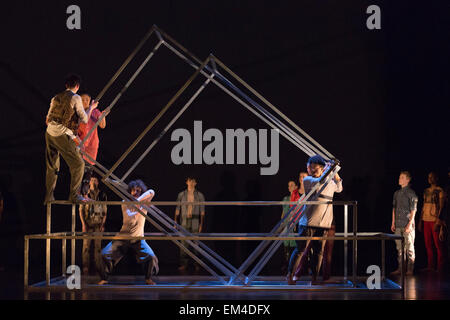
[311, 250]
[328, 254]
[432, 243]
[87, 250]
[191, 225]
[115, 250]
[288, 250]
[64, 146]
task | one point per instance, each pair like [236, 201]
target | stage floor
[430, 286]
[423, 286]
[198, 282]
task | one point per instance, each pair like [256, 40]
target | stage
[430, 286]
[239, 97]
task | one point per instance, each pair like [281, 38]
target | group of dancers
[71, 117]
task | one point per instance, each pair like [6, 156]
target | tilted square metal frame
[215, 71]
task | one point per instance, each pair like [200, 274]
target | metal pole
[262, 245]
[383, 259]
[64, 256]
[47, 247]
[49, 218]
[178, 229]
[160, 114]
[73, 243]
[100, 168]
[345, 242]
[25, 262]
[254, 255]
[355, 244]
[47, 263]
[126, 62]
[289, 137]
[239, 80]
[206, 203]
[272, 249]
[121, 92]
[297, 141]
[170, 226]
[270, 116]
[263, 261]
[166, 128]
[402, 271]
[199, 243]
[269, 253]
[273, 107]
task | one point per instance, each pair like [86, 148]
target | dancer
[65, 112]
[432, 224]
[133, 225]
[403, 213]
[93, 218]
[91, 144]
[289, 245]
[328, 253]
[444, 217]
[192, 216]
[315, 221]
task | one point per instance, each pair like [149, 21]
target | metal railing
[353, 236]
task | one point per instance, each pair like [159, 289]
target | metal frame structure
[216, 72]
[219, 74]
[352, 282]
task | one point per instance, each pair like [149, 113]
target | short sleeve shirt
[405, 201]
[196, 209]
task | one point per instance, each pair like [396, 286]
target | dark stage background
[376, 99]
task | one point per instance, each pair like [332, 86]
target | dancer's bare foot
[102, 282]
[290, 279]
[149, 282]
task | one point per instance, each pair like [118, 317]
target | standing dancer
[403, 213]
[432, 224]
[316, 221]
[65, 112]
[91, 144]
[93, 218]
[289, 245]
[191, 217]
